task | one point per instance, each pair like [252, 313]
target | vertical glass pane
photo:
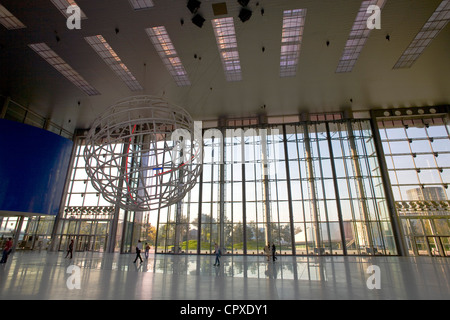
[418, 176]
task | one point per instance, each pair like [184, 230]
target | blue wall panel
[33, 168]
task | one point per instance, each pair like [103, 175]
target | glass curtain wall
[309, 188]
[166, 230]
[312, 189]
[35, 233]
[417, 151]
[212, 176]
[166, 226]
[194, 231]
[234, 175]
[87, 216]
[276, 182]
[338, 203]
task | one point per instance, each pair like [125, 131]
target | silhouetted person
[138, 251]
[273, 252]
[70, 249]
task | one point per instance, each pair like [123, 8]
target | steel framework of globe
[142, 153]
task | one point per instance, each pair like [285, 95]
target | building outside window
[417, 151]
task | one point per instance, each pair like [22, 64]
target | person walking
[138, 251]
[147, 250]
[267, 251]
[6, 250]
[274, 252]
[218, 254]
[69, 249]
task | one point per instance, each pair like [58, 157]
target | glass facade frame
[417, 152]
[86, 216]
[330, 186]
[312, 188]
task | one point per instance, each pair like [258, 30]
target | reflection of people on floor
[271, 270]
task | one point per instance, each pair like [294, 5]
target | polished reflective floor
[50, 276]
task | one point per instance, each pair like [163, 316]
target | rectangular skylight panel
[104, 50]
[141, 4]
[358, 37]
[62, 5]
[227, 44]
[59, 64]
[438, 20]
[8, 20]
[291, 39]
[166, 50]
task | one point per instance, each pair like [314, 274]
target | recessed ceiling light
[141, 4]
[168, 54]
[227, 45]
[59, 64]
[62, 5]
[291, 40]
[426, 35]
[104, 50]
[357, 37]
[8, 20]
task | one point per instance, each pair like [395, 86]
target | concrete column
[396, 225]
[111, 241]
[367, 231]
[289, 191]
[17, 232]
[336, 190]
[222, 195]
[312, 188]
[265, 171]
[53, 243]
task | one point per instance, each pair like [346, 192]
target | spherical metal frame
[143, 153]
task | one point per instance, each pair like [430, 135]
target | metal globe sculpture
[143, 153]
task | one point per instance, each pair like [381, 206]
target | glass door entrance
[427, 237]
[435, 246]
[83, 243]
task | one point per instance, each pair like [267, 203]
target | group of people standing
[270, 251]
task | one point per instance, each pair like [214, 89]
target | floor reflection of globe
[141, 153]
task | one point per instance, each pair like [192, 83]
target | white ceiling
[373, 83]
